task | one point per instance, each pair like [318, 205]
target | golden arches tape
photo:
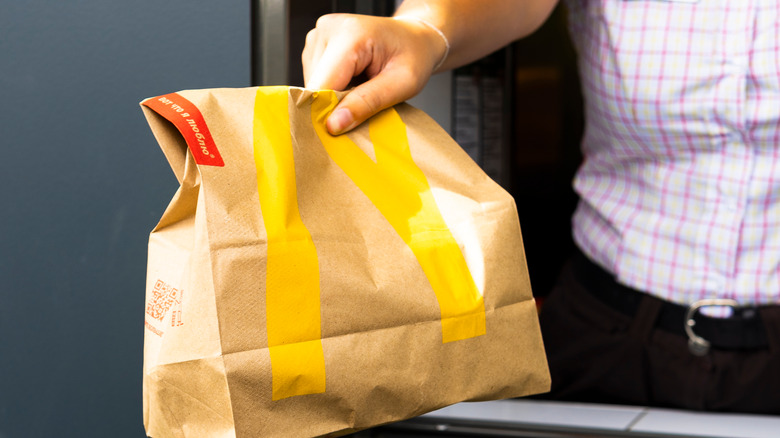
[292, 286]
[399, 190]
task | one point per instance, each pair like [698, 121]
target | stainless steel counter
[533, 418]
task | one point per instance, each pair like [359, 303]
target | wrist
[444, 42]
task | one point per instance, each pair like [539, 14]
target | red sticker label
[190, 123]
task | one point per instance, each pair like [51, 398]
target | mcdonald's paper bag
[301, 284]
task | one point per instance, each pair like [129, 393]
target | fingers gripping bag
[301, 284]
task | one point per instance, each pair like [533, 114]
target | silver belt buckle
[696, 344]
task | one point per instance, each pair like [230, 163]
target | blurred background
[82, 180]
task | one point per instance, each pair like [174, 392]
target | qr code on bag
[164, 296]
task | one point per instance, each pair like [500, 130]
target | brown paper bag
[301, 284]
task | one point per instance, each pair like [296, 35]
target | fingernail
[340, 120]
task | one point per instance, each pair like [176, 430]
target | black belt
[744, 329]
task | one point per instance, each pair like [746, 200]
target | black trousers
[597, 353]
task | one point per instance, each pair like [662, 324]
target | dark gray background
[82, 183]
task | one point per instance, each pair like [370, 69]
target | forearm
[475, 28]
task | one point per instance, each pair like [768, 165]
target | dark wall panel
[82, 182]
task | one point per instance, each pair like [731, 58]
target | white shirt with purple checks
[680, 186]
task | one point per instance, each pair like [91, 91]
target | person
[671, 299]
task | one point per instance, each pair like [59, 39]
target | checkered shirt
[680, 186]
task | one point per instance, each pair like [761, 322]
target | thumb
[369, 98]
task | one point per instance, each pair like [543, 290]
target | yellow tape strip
[292, 276]
[400, 190]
